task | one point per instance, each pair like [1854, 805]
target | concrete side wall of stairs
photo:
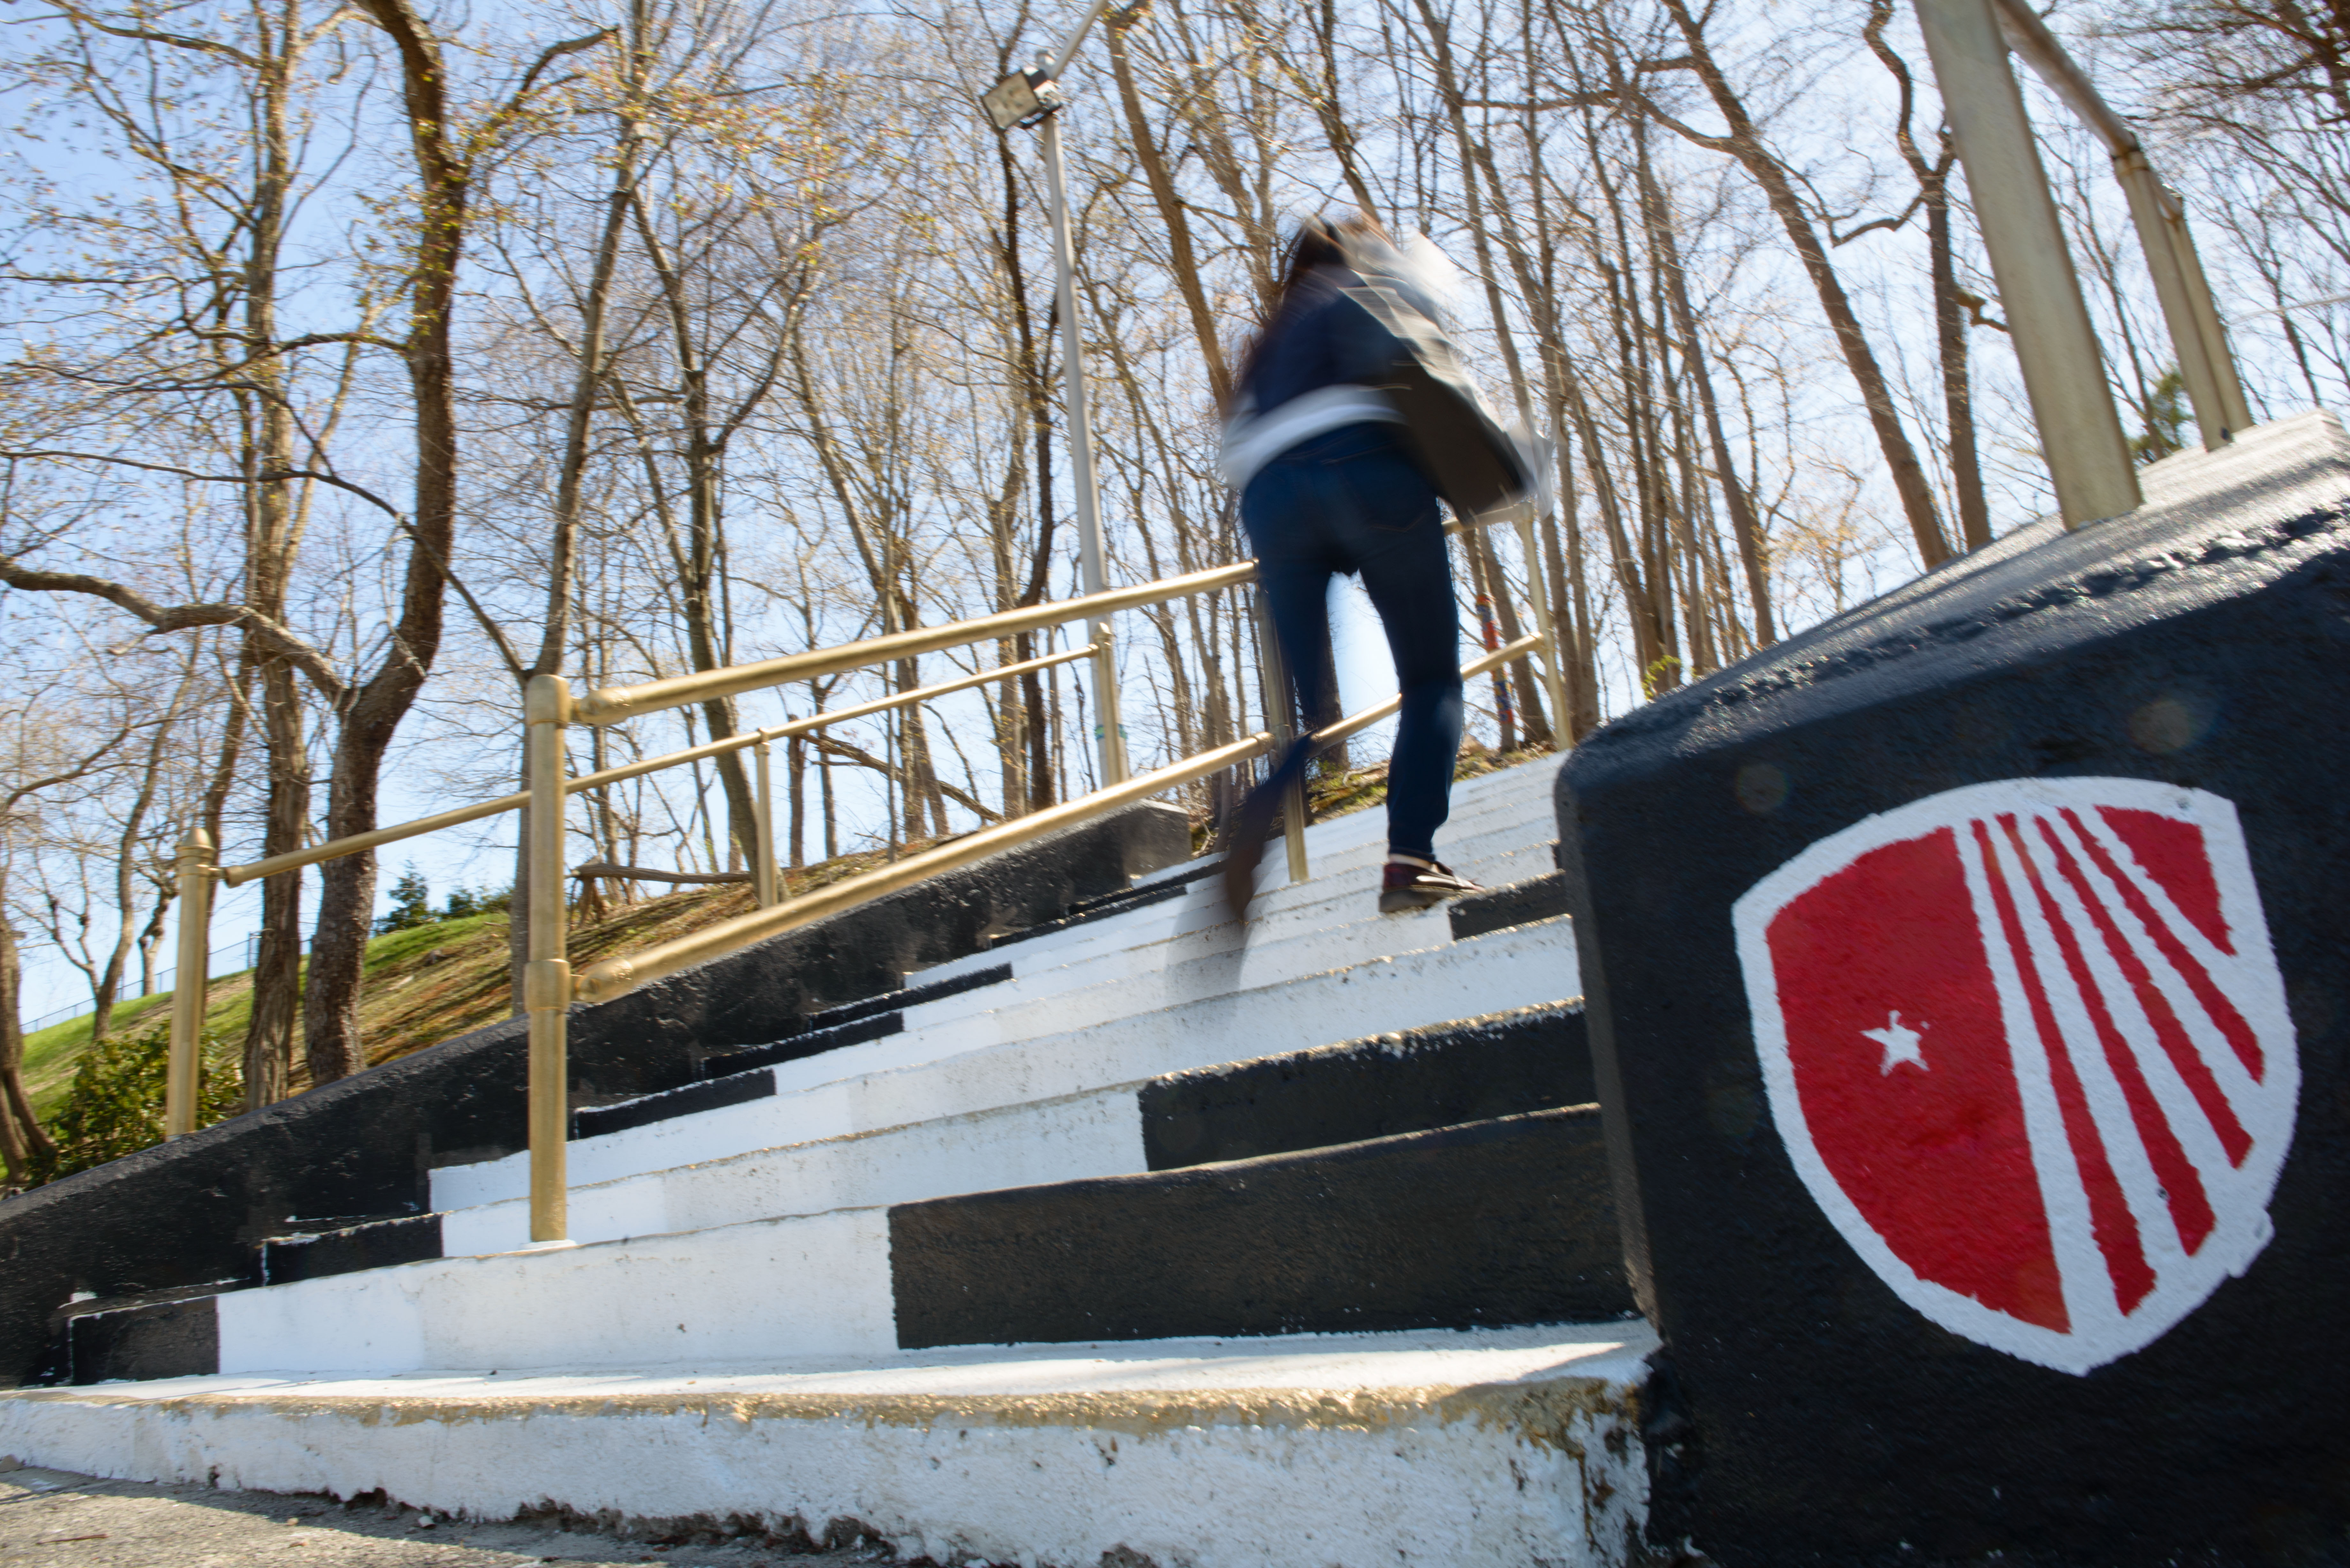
[189, 1214]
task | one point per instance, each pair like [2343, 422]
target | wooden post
[2196, 368]
[547, 981]
[196, 873]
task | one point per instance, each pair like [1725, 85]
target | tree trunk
[1744, 142]
[1949, 315]
[586, 383]
[347, 896]
[273, 531]
[1958, 393]
[1742, 522]
[277, 962]
[1172, 217]
[21, 1138]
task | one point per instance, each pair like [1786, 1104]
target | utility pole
[1034, 97]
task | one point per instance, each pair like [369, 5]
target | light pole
[1034, 97]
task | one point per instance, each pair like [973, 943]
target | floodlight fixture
[1023, 97]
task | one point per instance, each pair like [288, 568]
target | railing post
[1277, 702]
[2205, 310]
[1538, 600]
[1110, 729]
[2056, 345]
[763, 833]
[546, 980]
[196, 873]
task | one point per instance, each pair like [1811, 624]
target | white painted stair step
[1158, 960]
[1186, 955]
[1517, 803]
[1493, 846]
[1202, 968]
[1489, 1448]
[930, 1128]
[1092, 1133]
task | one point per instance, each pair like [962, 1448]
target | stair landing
[1496, 1446]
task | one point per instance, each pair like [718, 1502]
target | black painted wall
[1806, 1413]
[192, 1212]
[1494, 1223]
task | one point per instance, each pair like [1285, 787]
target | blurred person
[1350, 424]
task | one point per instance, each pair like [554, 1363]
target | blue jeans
[1352, 500]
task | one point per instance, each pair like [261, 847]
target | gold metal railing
[549, 986]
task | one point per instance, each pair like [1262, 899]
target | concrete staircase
[1210, 1244]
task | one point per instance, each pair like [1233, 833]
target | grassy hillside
[432, 983]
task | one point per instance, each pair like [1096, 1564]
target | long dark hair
[1318, 242]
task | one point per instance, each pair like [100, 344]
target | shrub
[116, 1104]
[477, 901]
[411, 905]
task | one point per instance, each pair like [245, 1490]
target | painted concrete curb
[1489, 1450]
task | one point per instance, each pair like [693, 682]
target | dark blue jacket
[1320, 338]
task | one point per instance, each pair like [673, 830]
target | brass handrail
[336, 848]
[1354, 724]
[610, 704]
[615, 976]
[333, 849]
[549, 985]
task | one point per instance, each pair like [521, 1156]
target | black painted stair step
[902, 998]
[1147, 892]
[733, 1077]
[1472, 1069]
[852, 1023]
[1497, 1222]
[160, 1333]
[1104, 909]
[346, 1249]
[730, 1065]
[1516, 904]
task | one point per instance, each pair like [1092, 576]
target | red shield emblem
[2027, 1045]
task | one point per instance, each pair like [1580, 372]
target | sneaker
[1404, 888]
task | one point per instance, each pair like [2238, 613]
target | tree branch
[864, 758]
[642, 874]
[399, 519]
[280, 641]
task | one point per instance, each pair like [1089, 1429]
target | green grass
[51, 1054]
[401, 946]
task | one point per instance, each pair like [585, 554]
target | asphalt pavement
[53, 1519]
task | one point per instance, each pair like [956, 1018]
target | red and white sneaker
[1408, 886]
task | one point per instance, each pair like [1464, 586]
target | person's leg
[1297, 592]
[1394, 535]
[1281, 511]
